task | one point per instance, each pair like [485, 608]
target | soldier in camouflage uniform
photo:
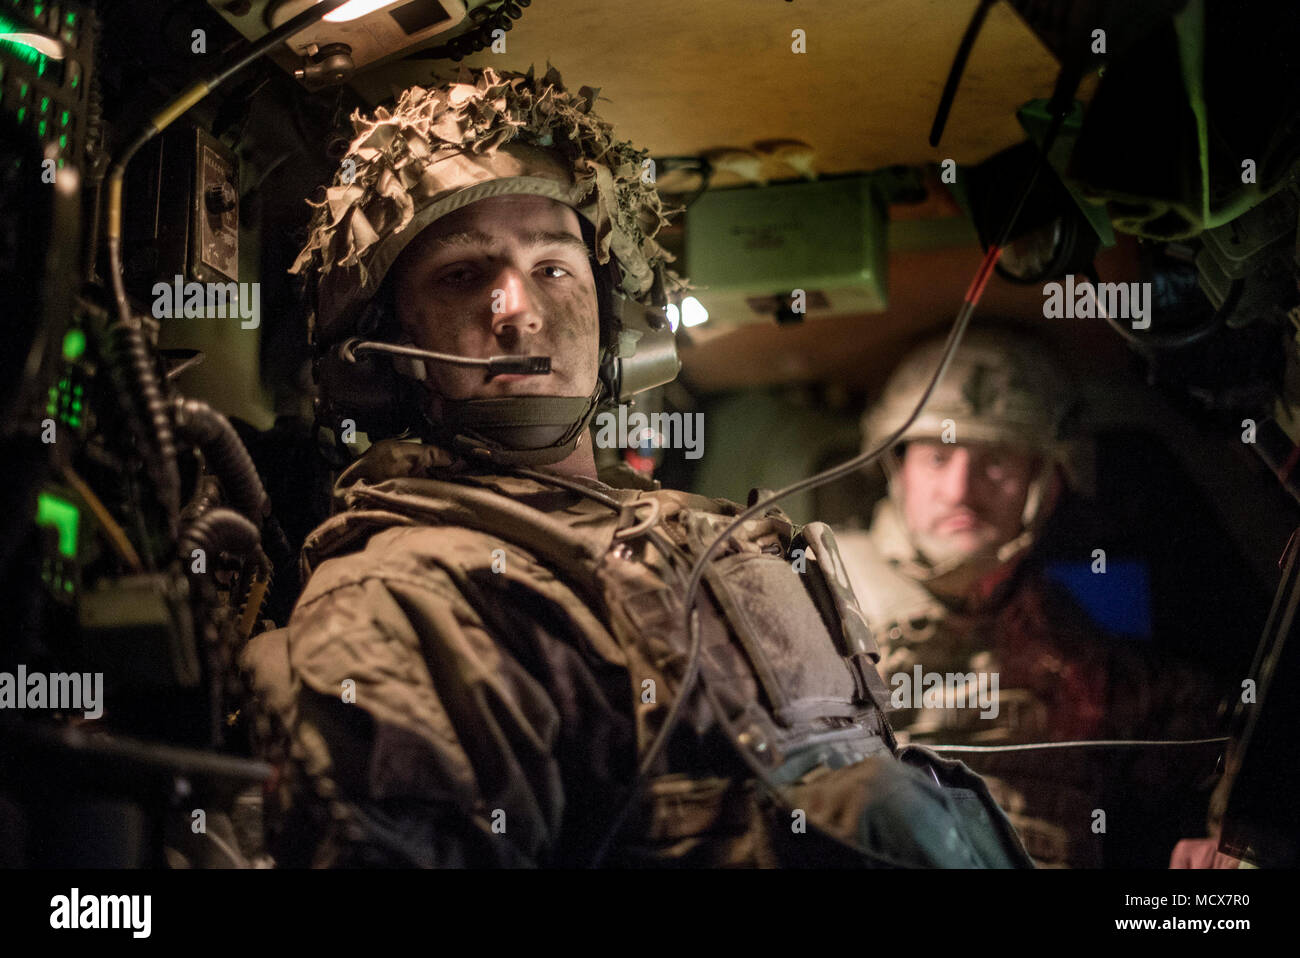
[947, 581]
[490, 637]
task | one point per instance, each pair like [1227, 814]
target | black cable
[830, 475]
[958, 67]
[699, 164]
[1170, 340]
[270, 41]
[162, 464]
[670, 553]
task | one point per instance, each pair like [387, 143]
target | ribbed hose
[133, 361]
[226, 455]
[220, 530]
[217, 530]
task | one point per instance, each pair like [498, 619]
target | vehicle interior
[842, 171]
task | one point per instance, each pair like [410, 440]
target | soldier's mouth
[549, 378]
[959, 522]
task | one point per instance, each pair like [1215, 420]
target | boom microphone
[496, 365]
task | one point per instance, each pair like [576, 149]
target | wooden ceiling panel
[682, 76]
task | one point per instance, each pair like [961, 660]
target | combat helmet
[1002, 386]
[436, 151]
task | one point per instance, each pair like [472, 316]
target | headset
[374, 377]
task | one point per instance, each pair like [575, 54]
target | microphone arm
[496, 365]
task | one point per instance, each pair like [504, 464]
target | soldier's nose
[955, 480]
[513, 311]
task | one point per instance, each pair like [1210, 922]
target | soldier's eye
[458, 275]
[559, 272]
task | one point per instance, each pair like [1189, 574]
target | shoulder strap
[888, 598]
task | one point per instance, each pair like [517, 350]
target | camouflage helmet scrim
[1002, 386]
[488, 134]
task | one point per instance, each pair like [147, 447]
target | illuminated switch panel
[66, 403]
[47, 94]
[59, 514]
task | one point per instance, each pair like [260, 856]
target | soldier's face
[966, 498]
[505, 275]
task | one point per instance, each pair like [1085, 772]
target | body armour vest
[783, 645]
[431, 562]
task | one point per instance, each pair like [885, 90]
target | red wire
[976, 289]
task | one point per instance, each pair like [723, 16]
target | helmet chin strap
[504, 430]
[507, 430]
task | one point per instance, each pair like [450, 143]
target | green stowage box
[748, 250]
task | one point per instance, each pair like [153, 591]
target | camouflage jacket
[1059, 678]
[478, 662]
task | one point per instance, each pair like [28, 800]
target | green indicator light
[75, 78]
[38, 9]
[63, 118]
[45, 104]
[40, 129]
[63, 141]
[40, 67]
[22, 91]
[74, 421]
[78, 389]
[22, 113]
[50, 409]
[61, 163]
[63, 516]
[71, 19]
[67, 585]
[63, 383]
[76, 405]
[74, 344]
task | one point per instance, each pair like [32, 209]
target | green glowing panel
[63, 516]
[22, 51]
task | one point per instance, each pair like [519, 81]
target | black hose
[226, 456]
[133, 362]
[217, 530]
[220, 530]
[1175, 339]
